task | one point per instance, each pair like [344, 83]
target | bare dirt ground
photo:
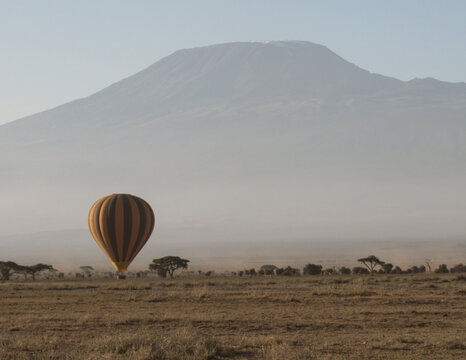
[309, 317]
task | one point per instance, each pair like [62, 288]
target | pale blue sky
[56, 51]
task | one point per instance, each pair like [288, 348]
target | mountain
[255, 141]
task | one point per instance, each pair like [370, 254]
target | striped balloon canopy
[121, 224]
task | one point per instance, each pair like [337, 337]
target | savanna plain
[385, 316]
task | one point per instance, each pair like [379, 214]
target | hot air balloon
[121, 224]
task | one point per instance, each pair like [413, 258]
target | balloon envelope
[121, 224]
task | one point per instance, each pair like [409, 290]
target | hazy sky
[56, 51]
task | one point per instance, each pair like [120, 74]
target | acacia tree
[168, 264]
[34, 269]
[87, 270]
[428, 264]
[371, 262]
[268, 269]
[8, 268]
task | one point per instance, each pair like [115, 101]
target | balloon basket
[121, 277]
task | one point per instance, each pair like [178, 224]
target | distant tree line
[168, 265]
[371, 265]
[9, 268]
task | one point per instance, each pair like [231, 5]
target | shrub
[312, 269]
[328, 271]
[288, 271]
[267, 269]
[344, 270]
[442, 269]
[387, 268]
[459, 268]
[250, 272]
[360, 270]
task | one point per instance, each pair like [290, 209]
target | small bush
[267, 269]
[442, 269]
[344, 270]
[288, 271]
[360, 270]
[459, 268]
[312, 269]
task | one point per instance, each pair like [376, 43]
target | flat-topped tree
[268, 269]
[34, 269]
[87, 270]
[168, 264]
[8, 268]
[371, 262]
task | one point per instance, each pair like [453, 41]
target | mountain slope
[275, 137]
[230, 75]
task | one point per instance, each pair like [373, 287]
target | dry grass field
[309, 317]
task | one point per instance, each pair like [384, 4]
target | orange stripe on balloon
[103, 224]
[93, 225]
